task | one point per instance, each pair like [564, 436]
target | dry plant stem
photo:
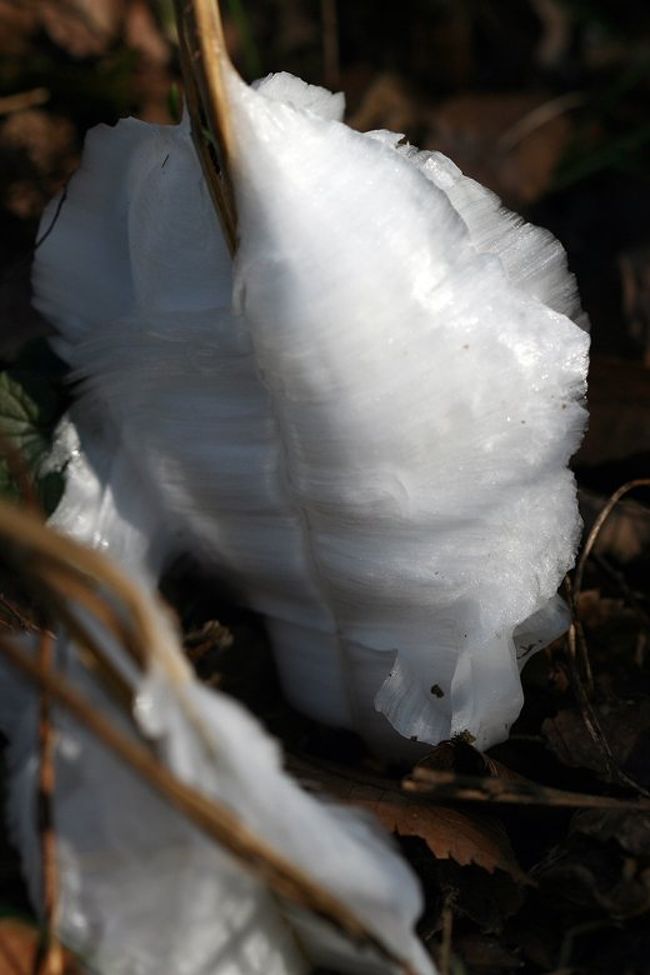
[215, 820]
[592, 724]
[32, 546]
[59, 570]
[578, 647]
[24, 533]
[23, 622]
[64, 586]
[203, 54]
[94, 658]
[598, 524]
[634, 599]
[56, 600]
[49, 957]
[470, 788]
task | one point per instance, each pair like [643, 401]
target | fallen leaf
[459, 755]
[589, 875]
[487, 900]
[449, 833]
[626, 726]
[630, 830]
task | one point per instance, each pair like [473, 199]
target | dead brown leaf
[626, 726]
[591, 875]
[459, 755]
[449, 833]
[630, 830]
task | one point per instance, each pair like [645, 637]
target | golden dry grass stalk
[204, 56]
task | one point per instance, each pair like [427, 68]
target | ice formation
[142, 891]
[364, 421]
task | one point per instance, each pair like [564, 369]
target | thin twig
[60, 572]
[519, 792]
[597, 527]
[93, 656]
[23, 532]
[538, 117]
[634, 599]
[576, 640]
[210, 816]
[593, 725]
[578, 648]
[65, 587]
[49, 954]
[29, 626]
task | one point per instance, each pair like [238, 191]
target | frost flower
[363, 421]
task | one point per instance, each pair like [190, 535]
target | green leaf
[32, 400]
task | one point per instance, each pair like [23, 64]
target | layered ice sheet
[365, 422]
